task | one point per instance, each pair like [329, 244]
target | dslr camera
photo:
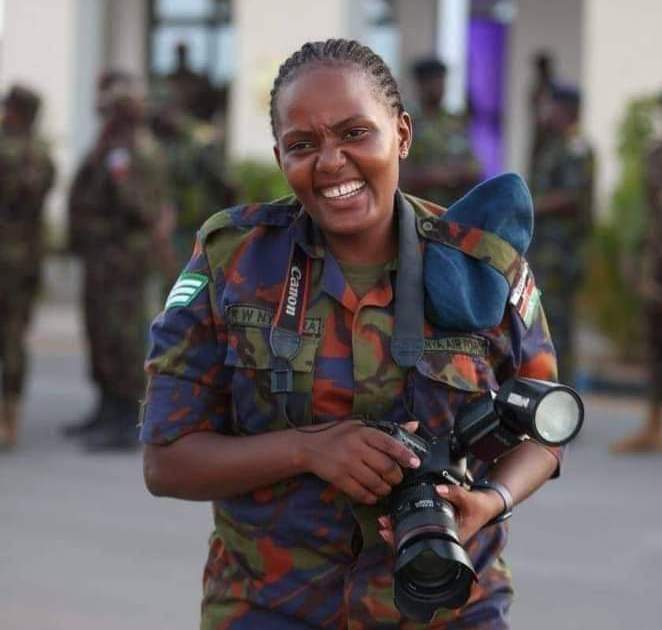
[432, 568]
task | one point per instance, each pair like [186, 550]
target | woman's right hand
[362, 462]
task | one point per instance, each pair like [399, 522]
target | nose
[330, 158]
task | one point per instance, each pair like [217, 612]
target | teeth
[346, 189]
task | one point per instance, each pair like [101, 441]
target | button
[427, 226]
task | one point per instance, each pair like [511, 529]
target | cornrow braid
[337, 51]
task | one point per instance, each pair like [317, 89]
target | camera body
[432, 568]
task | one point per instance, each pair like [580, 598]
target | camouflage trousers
[18, 290]
[116, 326]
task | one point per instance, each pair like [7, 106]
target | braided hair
[338, 52]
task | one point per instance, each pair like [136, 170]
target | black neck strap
[407, 341]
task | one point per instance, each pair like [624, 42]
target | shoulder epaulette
[280, 213]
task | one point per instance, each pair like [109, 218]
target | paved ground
[82, 544]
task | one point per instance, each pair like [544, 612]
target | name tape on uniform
[186, 289]
[260, 317]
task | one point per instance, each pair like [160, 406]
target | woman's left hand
[473, 509]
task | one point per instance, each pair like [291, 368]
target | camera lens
[432, 568]
[430, 572]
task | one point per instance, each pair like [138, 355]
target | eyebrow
[342, 123]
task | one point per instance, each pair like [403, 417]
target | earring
[404, 152]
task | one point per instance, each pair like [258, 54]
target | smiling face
[338, 145]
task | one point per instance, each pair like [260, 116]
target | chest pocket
[250, 357]
[451, 372]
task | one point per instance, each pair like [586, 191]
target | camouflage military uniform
[26, 175]
[115, 203]
[564, 165]
[197, 179]
[442, 141]
[298, 554]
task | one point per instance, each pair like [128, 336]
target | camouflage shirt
[116, 199]
[564, 164]
[26, 175]
[286, 556]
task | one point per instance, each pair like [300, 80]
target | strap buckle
[282, 380]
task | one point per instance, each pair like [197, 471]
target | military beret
[464, 292]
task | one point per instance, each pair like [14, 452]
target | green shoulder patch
[186, 289]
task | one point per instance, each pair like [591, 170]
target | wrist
[502, 499]
[299, 450]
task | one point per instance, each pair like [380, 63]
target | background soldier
[649, 437]
[441, 165]
[118, 226]
[541, 91]
[26, 175]
[562, 187]
[196, 171]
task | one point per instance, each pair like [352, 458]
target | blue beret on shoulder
[464, 293]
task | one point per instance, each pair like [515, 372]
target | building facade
[610, 50]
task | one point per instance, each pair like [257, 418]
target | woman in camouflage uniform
[299, 541]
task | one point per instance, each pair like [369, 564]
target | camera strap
[407, 341]
[287, 327]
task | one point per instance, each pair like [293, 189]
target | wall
[127, 35]
[623, 42]
[266, 34]
[54, 46]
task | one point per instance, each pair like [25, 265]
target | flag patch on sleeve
[186, 289]
[525, 296]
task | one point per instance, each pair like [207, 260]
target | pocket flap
[249, 348]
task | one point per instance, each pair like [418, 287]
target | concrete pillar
[127, 35]
[418, 38]
[266, 34]
[451, 46]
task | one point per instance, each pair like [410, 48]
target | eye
[298, 146]
[355, 133]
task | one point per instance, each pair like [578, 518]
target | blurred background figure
[541, 91]
[26, 176]
[561, 183]
[441, 166]
[649, 437]
[196, 169]
[192, 92]
[120, 225]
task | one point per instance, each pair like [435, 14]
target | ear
[405, 133]
[277, 156]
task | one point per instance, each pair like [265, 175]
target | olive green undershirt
[362, 277]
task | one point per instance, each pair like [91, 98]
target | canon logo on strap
[293, 291]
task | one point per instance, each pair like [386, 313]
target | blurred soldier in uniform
[26, 176]
[562, 188]
[196, 172]
[649, 437]
[118, 226]
[539, 95]
[441, 165]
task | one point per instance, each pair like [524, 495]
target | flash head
[551, 413]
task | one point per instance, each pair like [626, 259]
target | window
[203, 27]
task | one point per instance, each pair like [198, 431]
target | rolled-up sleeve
[188, 386]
